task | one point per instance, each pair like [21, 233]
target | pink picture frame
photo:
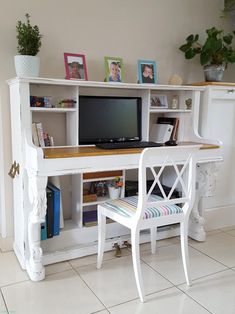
[75, 66]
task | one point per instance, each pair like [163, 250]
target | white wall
[131, 29]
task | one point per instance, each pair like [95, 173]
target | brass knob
[15, 169]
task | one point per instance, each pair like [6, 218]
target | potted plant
[215, 53]
[229, 6]
[29, 43]
[114, 188]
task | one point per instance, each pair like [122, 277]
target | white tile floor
[78, 287]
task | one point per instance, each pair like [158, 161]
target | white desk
[37, 164]
[73, 160]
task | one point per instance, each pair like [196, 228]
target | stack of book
[170, 121]
[90, 217]
[40, 137]
[164, 130]
[51, 226]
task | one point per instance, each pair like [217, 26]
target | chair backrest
[183, 166]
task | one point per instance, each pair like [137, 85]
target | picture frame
[114, 69]
[159, 101]
[147, 72]
[75, 66]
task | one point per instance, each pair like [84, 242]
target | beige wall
[131, 29]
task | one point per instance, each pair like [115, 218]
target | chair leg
[184, 250]
[153, 232]
[136, 263]
[101, 237]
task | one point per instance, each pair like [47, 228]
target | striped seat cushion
[127, 207]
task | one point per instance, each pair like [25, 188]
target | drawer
[226, 94]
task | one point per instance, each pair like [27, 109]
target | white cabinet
[217, 118]
[37, 164]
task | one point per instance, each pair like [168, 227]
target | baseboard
[6, 244]
[219, 217]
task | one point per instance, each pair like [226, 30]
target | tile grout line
[127, 300]
[227, 268]
[4, 300]
[189, 296]
[15, 283]
[105, 308]
[209, 256]
[149, 294]
[227, 232]
[130, 299]
[176, 285]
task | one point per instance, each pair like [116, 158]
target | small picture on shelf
[147, 71]
[159, 101]
[113, 69]
[38, 102]
[75, 66]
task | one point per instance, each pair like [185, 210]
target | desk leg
[37, 195]
[205, 185]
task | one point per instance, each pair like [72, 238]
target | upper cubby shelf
[154, 110]
[53, 110]
[96, 84]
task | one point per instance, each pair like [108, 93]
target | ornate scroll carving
[205, 187]
[38, 201]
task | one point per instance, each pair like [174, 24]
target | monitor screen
[109, 119]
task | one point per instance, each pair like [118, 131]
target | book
[35, 135]
[160, 133]
[89, 215]
[95, 223]
[171, 121]
[56, 208]
[46, 138]
[50, 215]
[40, 134]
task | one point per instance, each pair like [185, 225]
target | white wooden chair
[148, 211]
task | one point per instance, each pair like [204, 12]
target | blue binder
[50, 214]
[56, 208]
[43, 231]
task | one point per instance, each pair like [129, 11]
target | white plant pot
[114, 193]
[27, 66]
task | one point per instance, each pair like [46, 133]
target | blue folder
[56, 207]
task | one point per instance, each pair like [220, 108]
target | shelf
[153, 110]
[100, 200]
[101, 179]
[101, 175]
[69, 224]
[53, 109]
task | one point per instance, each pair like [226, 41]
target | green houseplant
[215, 53]
[29, 43]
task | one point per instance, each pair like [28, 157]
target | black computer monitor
[109, 119]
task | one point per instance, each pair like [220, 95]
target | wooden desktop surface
[213, 83]
[76, 151]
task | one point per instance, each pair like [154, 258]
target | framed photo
[75, 66]
[159, 101]
[147, 71]
[113, 69]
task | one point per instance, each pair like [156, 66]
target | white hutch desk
[37, 164]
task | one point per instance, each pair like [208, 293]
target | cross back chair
[149, 211]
